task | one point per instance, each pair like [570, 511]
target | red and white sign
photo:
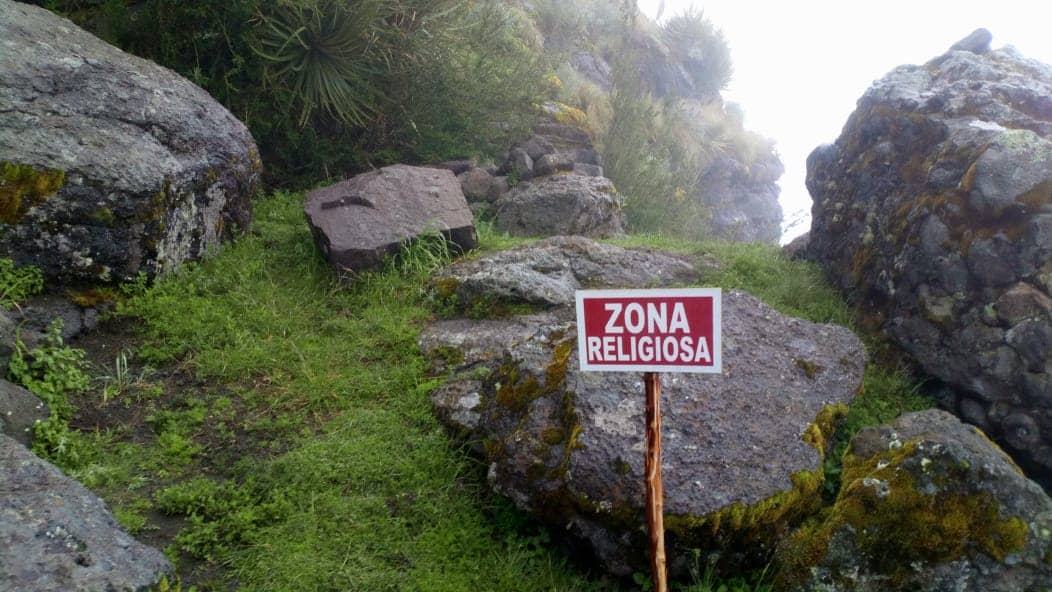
[649, 330]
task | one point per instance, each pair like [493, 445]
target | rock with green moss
[743, 450]
[110, 165]
[927, 503]
[933, 212]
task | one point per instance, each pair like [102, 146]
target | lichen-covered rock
[927, 503]
[546, 273]
[56, 535]
[110, 165]
[561, 204]
[20, 410]
[933, 212]
[358, 222]
[743, 451]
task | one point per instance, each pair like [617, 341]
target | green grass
[302, 454]
[352, 483]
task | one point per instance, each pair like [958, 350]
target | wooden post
[655, 490]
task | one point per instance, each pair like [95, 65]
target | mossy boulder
[743, 451]
[933, 213]
[927, 503]
[110, 165]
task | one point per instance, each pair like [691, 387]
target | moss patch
[23, 186]
[810, 369]
[893, 524]
[748, 527]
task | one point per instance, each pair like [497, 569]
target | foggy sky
[800, 66]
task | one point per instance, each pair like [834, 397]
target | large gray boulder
[743, 451]
[111, 165]
[927, 503]
[933, 213]
[561, 204]
[360, 221]
[56, 535]
[20, 410]
[546, 273]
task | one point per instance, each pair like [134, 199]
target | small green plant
[123, 380]
[18, 283]
[886, 394]
[54, 371]
[221, 515]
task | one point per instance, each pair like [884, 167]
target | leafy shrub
[656, 173]
[54, 371]
[17, 284]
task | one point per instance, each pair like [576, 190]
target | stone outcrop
[742, 198]
[360, 221]
[56, 535]
[110, 165]
[559, 205]
[20, 410]
[743, 451]
[546, 273]
[927, 503]
[933, 212]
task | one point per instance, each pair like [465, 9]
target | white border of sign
[717, 329]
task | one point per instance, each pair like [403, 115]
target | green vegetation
[331, 88]
[899, 526]
[293, 441]
[23, 186]
[54, 372]
[18, 283]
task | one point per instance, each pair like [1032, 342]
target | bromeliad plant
[326, 52]
[332, 54]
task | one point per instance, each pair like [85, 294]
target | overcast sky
[800, 66]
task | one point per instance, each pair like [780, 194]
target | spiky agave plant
[327, 53]
[697, 44]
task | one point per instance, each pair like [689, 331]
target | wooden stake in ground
[655, 490]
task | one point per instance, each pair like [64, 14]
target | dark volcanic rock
[32, 320]
[536, 147]
[797, 249]
[111, 165]
[552, 163]
[927, 503]
[476, 184]
[743, 450]
[56, 535]
[933, 212]
[20, 410]
[561, 204]
[357, 222]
